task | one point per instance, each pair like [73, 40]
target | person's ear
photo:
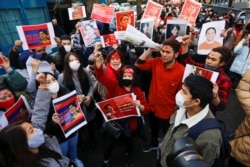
[176, 54]
[196, 102]
[221, 64]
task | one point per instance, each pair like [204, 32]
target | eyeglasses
[5, 97]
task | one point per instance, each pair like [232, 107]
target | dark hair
[67, 74]
[211, 28]
[173, 43]
[226, 54]
[44, 31]
[176, 26]
[65, 37]
[14, 145]
[6, 86]
[15, 149]
[108, 58]
[201, 88]
[120, 76]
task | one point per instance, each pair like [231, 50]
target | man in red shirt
[166, 81]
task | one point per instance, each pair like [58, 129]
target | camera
[185, 154]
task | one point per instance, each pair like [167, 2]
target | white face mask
[67, 48]
[54, 87]
[74, 65]
[179, 99]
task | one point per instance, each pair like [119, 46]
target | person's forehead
[166, 47]
[66, 41]
[213, 54]
[185, 89]
[4, 92]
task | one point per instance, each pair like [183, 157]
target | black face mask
[127, 82]
[238, 25]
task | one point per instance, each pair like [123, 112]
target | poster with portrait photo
[90, 32]
[153, 9]
[176, 29]
[210, 36]
[34, 36]
[103, 13]
[76, 12]
[194, 70]
[118, 107]
[123, 19]
[109, 40]
[190, 11]
[147, 27]
[70, 113]
[19, 111]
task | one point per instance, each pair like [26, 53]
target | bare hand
[136, 103]
[41, 78]
[5, 62]
[35, 65]
[215, 89]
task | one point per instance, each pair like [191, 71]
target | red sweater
[109, 80]
[165, 83]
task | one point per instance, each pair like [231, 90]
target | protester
[240, 143]
[24, 144]
[193, 101]
[75, 77]
[68, 145]
[13, 79]
[241, 61]
[126, 83]
[166, 81]
[215, 61]
[112, 70]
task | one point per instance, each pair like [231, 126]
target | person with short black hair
[193, 102]
[166, 81]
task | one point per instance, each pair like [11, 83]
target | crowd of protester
[153, 75]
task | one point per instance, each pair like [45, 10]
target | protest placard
[70, 113]
[76, 12]
[34, 36]
[118, 107]
[109, 40]
[123, 19]
[19, 111]
[176, 29]
[147, 27]
[210, 37]
[194, 70]
[153, 9]
[190, 11]
[90, 32]
[103, 13]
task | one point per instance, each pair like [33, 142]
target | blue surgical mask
[36, 140]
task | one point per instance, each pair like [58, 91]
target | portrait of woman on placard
[91, 36]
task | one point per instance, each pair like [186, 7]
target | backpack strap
[203, 125]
